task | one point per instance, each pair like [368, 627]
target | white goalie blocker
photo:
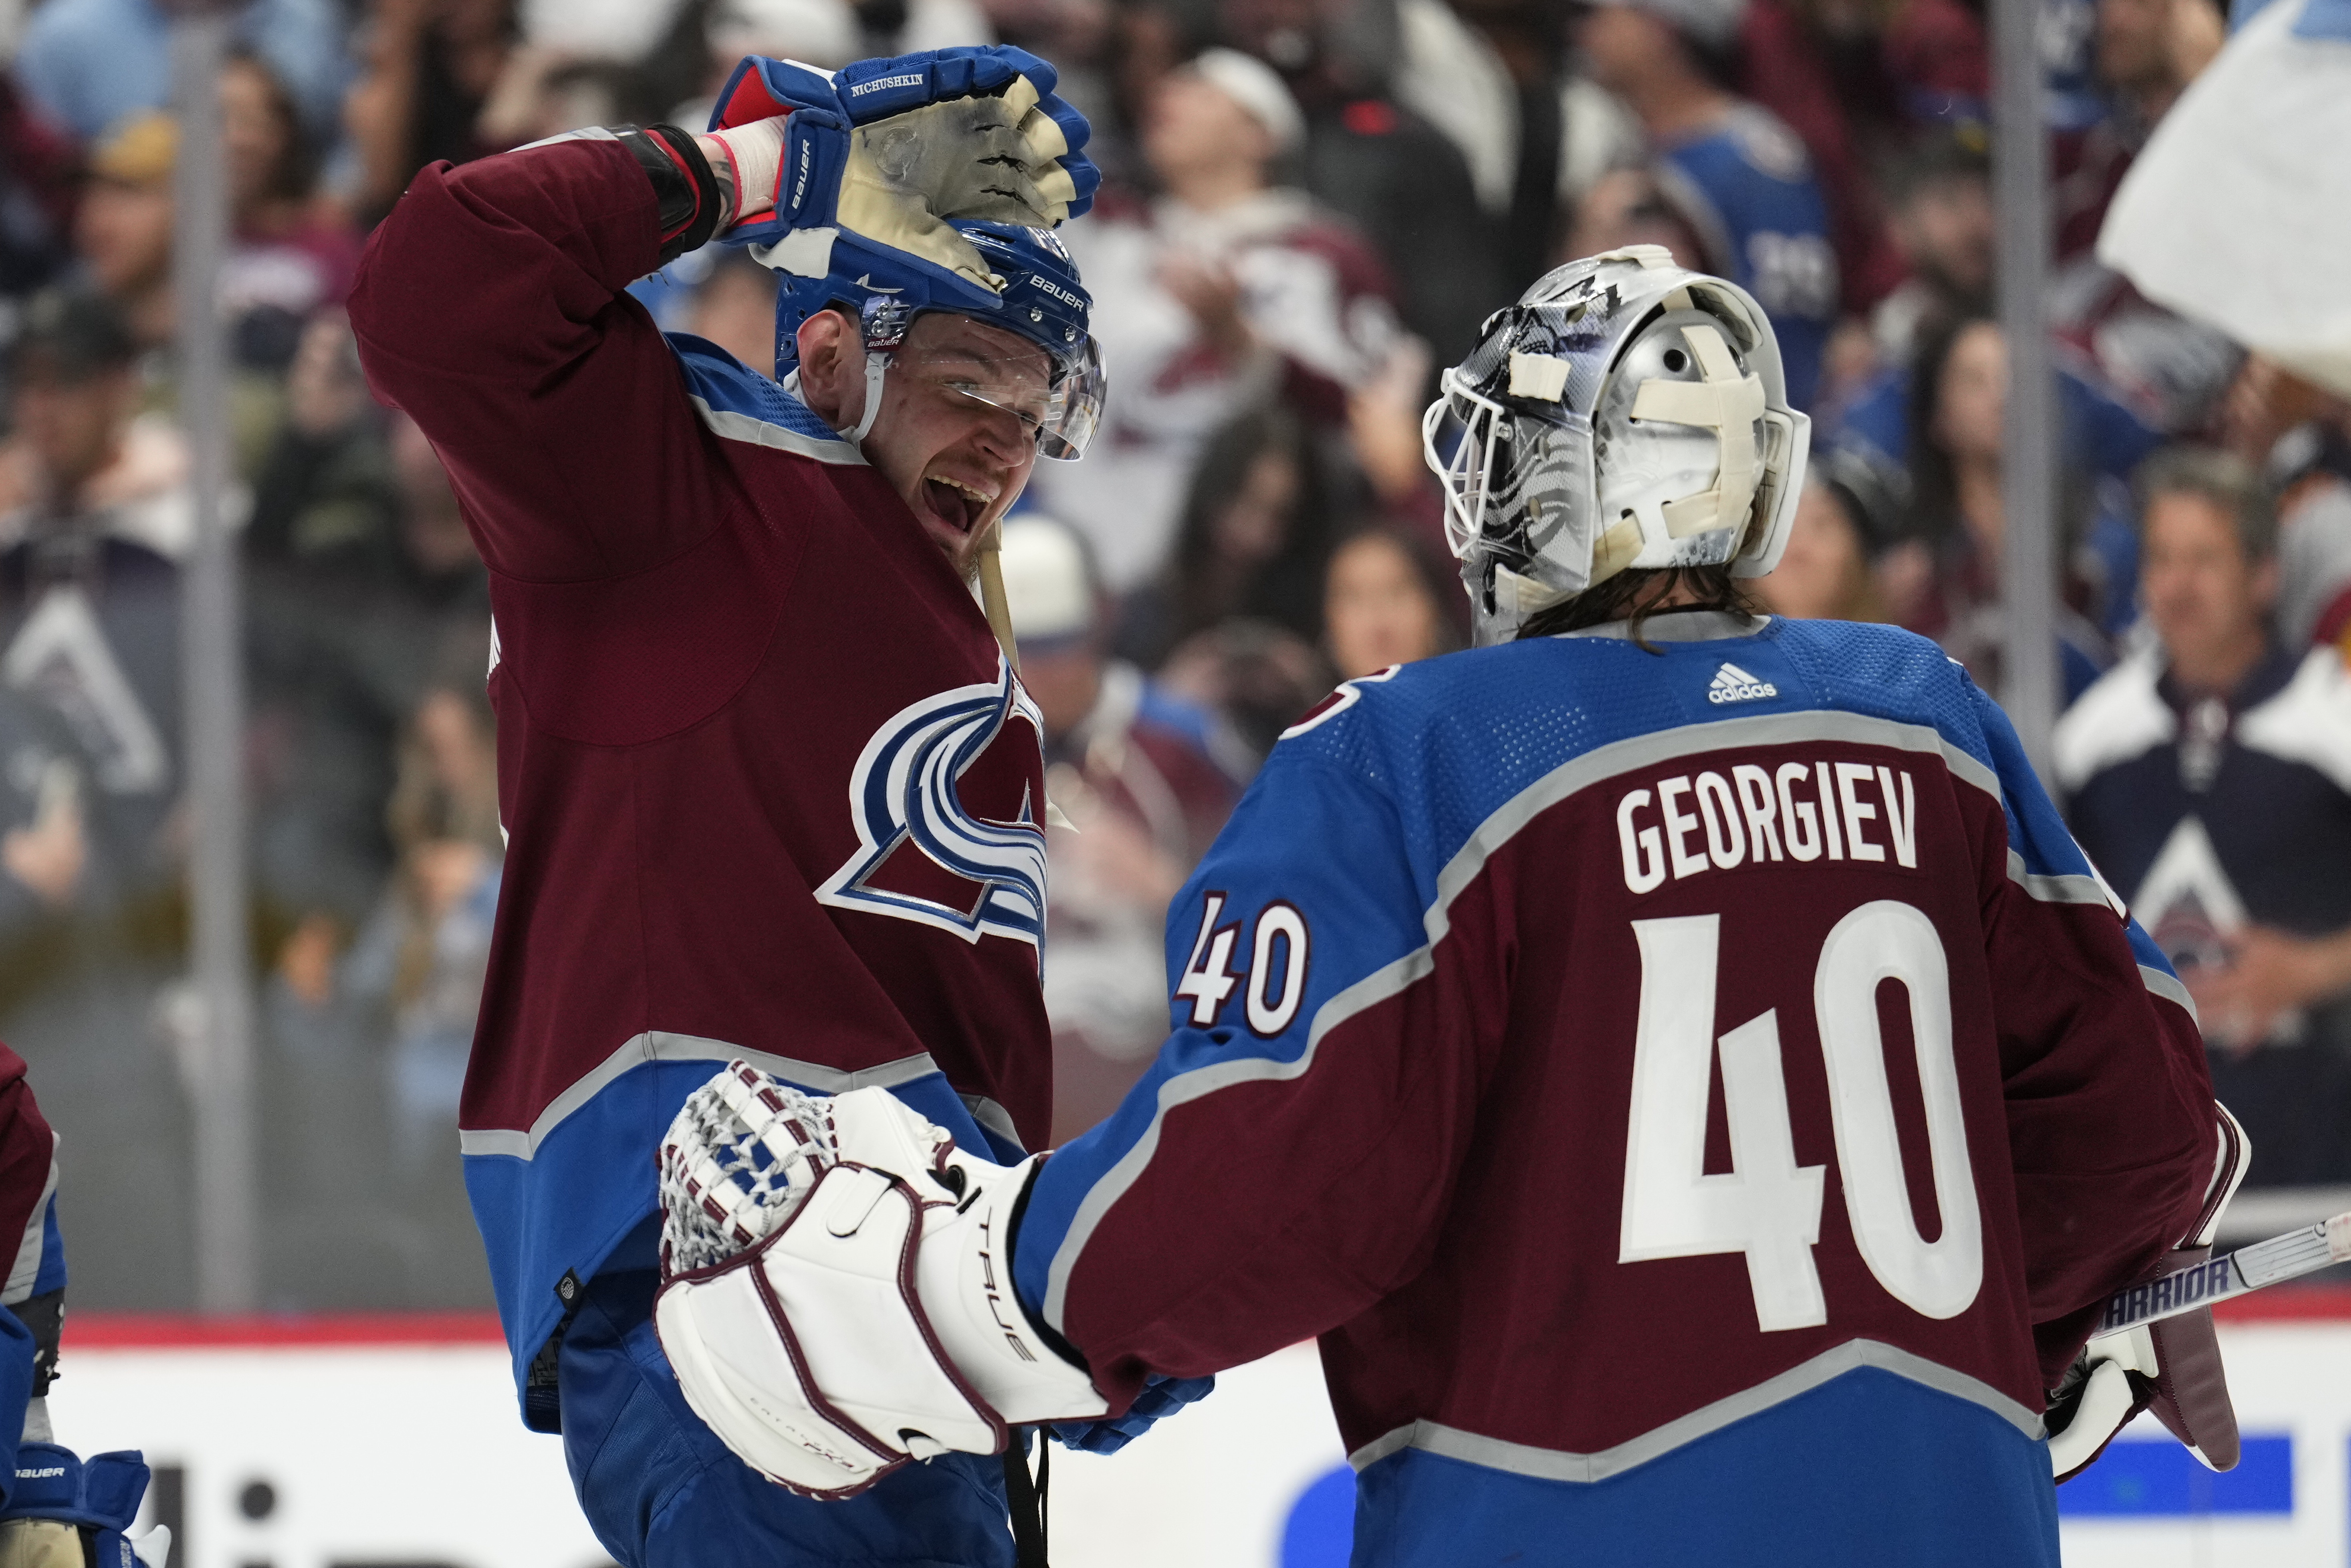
[838, 1298]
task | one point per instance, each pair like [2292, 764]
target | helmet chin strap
[874, 365]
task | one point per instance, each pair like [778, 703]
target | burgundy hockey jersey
[1698, 1095]
[771, 792]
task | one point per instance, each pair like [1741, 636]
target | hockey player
[1675, 1060]
[772, 789]
[57, 1509]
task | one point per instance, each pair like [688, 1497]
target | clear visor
[1058, 399]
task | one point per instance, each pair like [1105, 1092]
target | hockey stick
[992, 604]
[2230, 1275]
[991, 594]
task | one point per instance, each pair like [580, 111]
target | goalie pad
[872, 1324]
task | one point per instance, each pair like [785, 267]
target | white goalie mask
[1624, 413]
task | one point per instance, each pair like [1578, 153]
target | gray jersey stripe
[2059, 887]
[2170, 989]
[1580, 773]
[733, 426]
[1554, 1464]
[661, 1046]
[992, 1116]
[27, 1267]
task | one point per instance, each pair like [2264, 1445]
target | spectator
[429, 68]
[2299, 435]
[1384, 603]
[1133, 769]
[1784, 63]
[2206, 776]
[1827, 572]
[2144, 53]
[83, 460]
[417, 970]
[1258, 677]
[542, 92]
[1493, 76]
[326, 502]
[2104, 438]
[37, 198]
[1957, 410]
[1745, 171]
[887, 28]
[1398, 177]
[1938, 55]
[424, 954]
[1632, 206]
[360, 575]
[92, 63]
[89, 686]
[1252, 543]
[1944, 225]
[291, 252]
[366, 631]
[124, 233]
[124, 228]
[1232, 290]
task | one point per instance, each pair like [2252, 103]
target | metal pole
[2028, 487]
[227, 1193]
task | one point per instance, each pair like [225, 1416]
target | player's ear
[833, 367]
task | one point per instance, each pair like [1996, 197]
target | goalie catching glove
[838, 1296]
[877, 157]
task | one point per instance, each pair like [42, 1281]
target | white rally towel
[2238, 212]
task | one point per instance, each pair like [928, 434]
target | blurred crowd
[1310, 207]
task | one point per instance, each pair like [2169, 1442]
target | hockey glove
[2109, 1382]
[879, 155]
[871, 1321]
[1161, 1398]
[2172, 1366]
[68, 1512]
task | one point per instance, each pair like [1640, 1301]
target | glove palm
[882, 155]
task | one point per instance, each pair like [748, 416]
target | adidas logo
[1733, 684]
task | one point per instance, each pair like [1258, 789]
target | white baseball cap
[1258, 88]
[1047, 584]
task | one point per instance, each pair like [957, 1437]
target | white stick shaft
[2232, 1274]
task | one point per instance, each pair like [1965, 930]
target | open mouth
[953, 503]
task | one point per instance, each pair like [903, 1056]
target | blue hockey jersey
[1696, 1093]
[1749, 185]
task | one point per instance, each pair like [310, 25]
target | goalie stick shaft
[2229, 1276]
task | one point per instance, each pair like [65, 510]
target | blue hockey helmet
[1042, 301]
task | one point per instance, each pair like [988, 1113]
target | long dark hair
[295, 175]
[1639, 594]
[1287, 589]
[1934, 482]
[1934, 510]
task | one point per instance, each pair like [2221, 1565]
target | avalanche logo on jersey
[905, 789]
